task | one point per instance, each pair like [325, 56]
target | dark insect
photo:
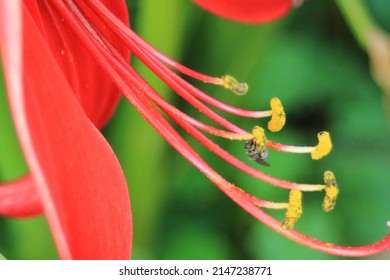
[254, 154]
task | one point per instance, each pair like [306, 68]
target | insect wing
[262, 161]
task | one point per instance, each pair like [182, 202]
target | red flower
[250, 11]
[59, 96]
[64, 60]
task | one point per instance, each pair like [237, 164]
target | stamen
[141, 86]
[278, 115]
[322, 149]
[331, 191]
[324, 146]
[235, 86]
[141, 48]
[294, 209]
[169, 109]
[255, 200]
[201, 138]
[273, 205]
[261, 139]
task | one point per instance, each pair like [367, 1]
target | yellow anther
[294, 209]
[331, 191]
[235, 86]
[261, 139]
[278, 118]
[324, 145]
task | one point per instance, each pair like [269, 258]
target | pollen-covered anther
[294, 209]
[331, 191]
[235, 86]
[259, 135]
[278, 117]
[324, 146]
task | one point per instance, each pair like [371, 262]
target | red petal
[249, 11]
[20, 198]
[79, 180]
[95, 91]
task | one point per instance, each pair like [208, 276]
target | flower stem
[372, 38]
[358, 18]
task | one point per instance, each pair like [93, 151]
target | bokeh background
[312, 62]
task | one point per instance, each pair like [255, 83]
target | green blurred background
[311, 61]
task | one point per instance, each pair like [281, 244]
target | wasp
[255, 154]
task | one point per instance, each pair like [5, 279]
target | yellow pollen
[261, 139]
[294, 209]
[278, 118]
[235, 86]
[331, 191]
[324, 145]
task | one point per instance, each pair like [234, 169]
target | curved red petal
[20, 199]
[248, 11]
[78, 178]
[96, 93]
